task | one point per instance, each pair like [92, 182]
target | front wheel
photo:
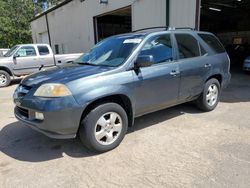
[4, 79]
[210, 96]
[104, 127]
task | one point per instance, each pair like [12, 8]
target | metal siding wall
[38, 27]
[148, 13]
[182, 13]
[71, 25]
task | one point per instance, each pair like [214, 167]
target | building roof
[51, 9]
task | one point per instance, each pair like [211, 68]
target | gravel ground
[176, 147]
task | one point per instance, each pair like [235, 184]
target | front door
[158, 85]
[25, 61]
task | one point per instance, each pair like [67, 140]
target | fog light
[39, 116]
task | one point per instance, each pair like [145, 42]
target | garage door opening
[113, 23]
[230, 21]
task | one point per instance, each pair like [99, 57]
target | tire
[98, 129]
[208, 102]
[4, 79]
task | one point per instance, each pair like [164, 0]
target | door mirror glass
[144, 61]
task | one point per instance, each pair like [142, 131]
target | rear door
[46, 57]
[193, 64]
[26, 60]
[158, 85]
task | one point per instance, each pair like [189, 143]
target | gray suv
[99, 95]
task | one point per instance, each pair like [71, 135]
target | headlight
[52, 90]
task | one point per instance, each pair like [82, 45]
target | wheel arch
[6, 69]
[217, 77]
[121, 99]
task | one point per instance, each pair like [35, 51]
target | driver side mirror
[15, 56]
[144, 61]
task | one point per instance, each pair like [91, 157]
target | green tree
[15, 16]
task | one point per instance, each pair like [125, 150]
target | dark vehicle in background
[123, 77]
[246, 65]
[238, 53]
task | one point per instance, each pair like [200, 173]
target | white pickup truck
[3, 51]
[25, 59]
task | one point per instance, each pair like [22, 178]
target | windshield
[111, 52]
[11, 51]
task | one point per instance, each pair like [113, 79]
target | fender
[7, 70]
[102, 92]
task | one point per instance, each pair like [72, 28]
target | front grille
[22, 90]
[22, 112]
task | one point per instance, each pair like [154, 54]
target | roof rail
[184, 28]
[159, 27]
[166, 28]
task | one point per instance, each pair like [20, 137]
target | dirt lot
[177, 147]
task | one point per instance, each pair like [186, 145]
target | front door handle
[208, 65]
[174, 72]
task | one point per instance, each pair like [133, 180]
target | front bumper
[61, 115]
[37, 128]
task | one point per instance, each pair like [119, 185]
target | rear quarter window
[43, 50]
[213, 43]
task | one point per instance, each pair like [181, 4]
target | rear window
[188, 46]
[43, 50]
[213, 43]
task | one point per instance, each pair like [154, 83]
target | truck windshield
[11, 51]
[111, 52]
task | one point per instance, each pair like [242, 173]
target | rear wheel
[4, 79]
[104, 127]
[209, 99]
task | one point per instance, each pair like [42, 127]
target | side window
[213, 43]
[160, 48]
[26, 51]
[203, 51]
[188, 46]
[43, 50]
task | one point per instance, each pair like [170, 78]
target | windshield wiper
[85, 63]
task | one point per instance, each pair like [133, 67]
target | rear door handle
[208, 65]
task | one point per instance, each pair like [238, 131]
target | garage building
[76, 25]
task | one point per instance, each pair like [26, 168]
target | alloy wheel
[3, 79]
[108, 128]
[212, 95]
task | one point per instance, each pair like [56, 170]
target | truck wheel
[104, 127]
[210, 96]
[4, 79]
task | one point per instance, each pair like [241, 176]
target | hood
[64, 74]
[6, 59]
